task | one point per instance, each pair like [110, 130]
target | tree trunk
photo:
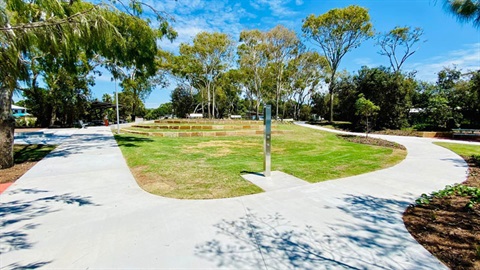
[276, 105]
[7, 128]
[208, 102]
[331, 106]
[330, 91]
[213, 102]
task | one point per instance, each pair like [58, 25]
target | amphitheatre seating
[201, 128]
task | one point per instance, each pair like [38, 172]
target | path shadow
[370, 235]
[376, 225]
[254, 173]
[79, 143]
[458, 162]
[36, 265]
[271, 242]
[18, 217]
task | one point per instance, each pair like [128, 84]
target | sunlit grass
[201, 167]
[461, 149]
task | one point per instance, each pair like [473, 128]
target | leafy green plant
[456, 190]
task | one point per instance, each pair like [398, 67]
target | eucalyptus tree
[282, 46]
[252, 60]
[54, 27]
[48, 26]
[337, 32]
[305, 72]
[187, 71]
[229, 88]
[136, 62]
[212, 53]
[398, 45]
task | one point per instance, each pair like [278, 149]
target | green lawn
[201, 167]
[461, 149]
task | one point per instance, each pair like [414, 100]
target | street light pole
[116, 104]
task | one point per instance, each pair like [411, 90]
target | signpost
[267, 139]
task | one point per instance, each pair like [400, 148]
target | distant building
[18, 111]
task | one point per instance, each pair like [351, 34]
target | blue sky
[448, 42]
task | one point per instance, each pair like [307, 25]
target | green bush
[25, 122]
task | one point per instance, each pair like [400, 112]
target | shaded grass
[201, 167]
[30, 152]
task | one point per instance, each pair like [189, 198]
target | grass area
[461, 149]
[30, 152]
[200, 167]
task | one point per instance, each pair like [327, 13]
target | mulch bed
[447, 228]
[371, 141]
[13, 173]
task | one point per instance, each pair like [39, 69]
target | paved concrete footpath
[80, 208]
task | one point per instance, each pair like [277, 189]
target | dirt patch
[447, 228]
[12, 174]
[222, 148]
[23, 130]
[372, 141]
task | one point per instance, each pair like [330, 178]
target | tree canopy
[337, 32]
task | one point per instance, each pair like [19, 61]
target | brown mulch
[15, 172]
[26, 156]
[447, 228]
[371, 141]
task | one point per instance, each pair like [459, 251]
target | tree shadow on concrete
[372, 236]
[17, 219]
[17, 266]
[458, 162]
[378, 227]
[79, 143]
[270, 242]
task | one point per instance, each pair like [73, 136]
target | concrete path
[80, 208]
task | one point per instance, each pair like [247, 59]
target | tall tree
[282, 46]
[465, 10]
[398, 45]
[253, 61]
[337, 32]
[391, 91]
[212, 52]
[304, 74]
[52, 27]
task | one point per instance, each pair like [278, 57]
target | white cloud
[467, 58]
[208, 16]
[278, 8]
[365, 61]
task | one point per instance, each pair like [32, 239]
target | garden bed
[447, 226]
